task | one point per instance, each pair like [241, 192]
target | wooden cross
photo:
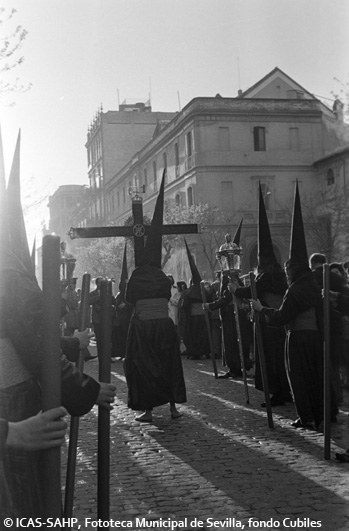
[138, 230]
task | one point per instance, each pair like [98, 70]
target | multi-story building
[112, 140]
[216, 150]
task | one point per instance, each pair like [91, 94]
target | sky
[81, 54]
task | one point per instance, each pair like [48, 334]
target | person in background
[123, 313]
[216, 325]
[95, 302]
[71, 318]
[231, 348]
[316, 262]
[181, 289]
[172, 303]
[195, 333]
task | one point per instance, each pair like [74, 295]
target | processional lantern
[68, 263]
[229, 257]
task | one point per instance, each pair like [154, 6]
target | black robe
[153, 366]
[270, 293]
[304, 349]
[195, 334]
[230, 338]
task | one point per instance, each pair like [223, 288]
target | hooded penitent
[298, 255]
[153, 367]
[19, 289]
[266, 254]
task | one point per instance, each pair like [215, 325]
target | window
[176, 149]
[178, 200]
[190, 196]
[330, 177]
[124, 195]
[189, 144]
[118, 198]
[176, 153]
[145, 175]
[259, 138]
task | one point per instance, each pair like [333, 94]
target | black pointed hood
[153, 247]
[298, 255]
[237, 234]
[195, 275]
[266, 254]
[16, 226]
[124, 274]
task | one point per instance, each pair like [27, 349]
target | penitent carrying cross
[138, 230]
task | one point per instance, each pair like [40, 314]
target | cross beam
[138, 230]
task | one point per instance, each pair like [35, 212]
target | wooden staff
[260, 348]
[84, 318]
[103, 479]
[224, 361]
[51, 368]
[327, 363]
[241, 352]
[207, 321]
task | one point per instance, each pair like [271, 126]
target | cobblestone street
[218, 464]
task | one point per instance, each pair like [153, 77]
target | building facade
[216, 151]
[113, 139]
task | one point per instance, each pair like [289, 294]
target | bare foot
[145, 417]
[175, 414]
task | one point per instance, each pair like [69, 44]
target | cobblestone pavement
[219, 466]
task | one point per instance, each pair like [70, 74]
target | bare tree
[326, 214]
[213, 223]
[102, 257]
[10, 52]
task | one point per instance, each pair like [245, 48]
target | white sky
[82, 53]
